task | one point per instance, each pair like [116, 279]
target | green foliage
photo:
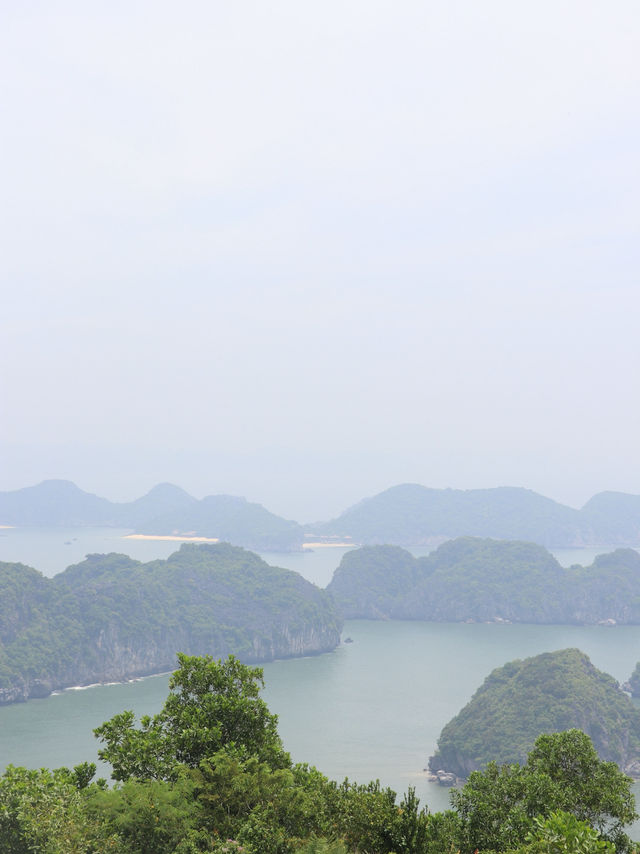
[486, 580]
[209, 774]
[443, 833]
[211, 705]
[42, 811]
[321, 846]
[634, 681]
[71, 629]
[368, 579]
[546, 693]
[149, 817]
[594, 791]
[562, 833]
[497, 807]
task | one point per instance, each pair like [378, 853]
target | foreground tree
[212, 705]
[45, 811]
[497, 807]
[563, 833]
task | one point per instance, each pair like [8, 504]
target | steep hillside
[111, 618]
[548, 693]
[472, 579]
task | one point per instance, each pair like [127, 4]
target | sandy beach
[175, 537]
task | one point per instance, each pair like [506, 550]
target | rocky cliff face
[111, 619]
[116, 659]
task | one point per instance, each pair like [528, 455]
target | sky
[302, 252]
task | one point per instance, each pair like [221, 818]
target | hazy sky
[304, 251]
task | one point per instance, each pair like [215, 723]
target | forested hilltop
[111, 618]
[547, 693]
[472, 579]
[408, 514]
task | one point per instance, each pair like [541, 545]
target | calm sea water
[370, 709]
[50, 550]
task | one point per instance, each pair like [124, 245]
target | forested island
[209, 773]
[547, 693]
[112, 618]
[408, 514]
[472, 579]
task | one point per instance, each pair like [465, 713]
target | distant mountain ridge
[405, 515]
[164, 510]
[413, 515]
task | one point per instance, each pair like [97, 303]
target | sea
[371, 709]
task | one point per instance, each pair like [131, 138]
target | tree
[594, 791]
[212, 705]
[497, 807]
[563, 833]
[143, 816]
[44, 811]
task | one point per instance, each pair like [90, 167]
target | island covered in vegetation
[472, 579]
[111, 618]
[209, 773]
[547, 693]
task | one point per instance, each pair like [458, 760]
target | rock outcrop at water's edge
[111, 618]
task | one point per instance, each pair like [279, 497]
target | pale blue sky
[302, 252]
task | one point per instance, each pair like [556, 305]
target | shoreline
[171, 537]
[329, 545]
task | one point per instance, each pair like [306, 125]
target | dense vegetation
[482, 580]
[634, 682]
[411, 514]
[210, 774]
[548, 693]
[111, 617]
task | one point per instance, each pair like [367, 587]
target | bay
[370, 709]
[50, 550]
